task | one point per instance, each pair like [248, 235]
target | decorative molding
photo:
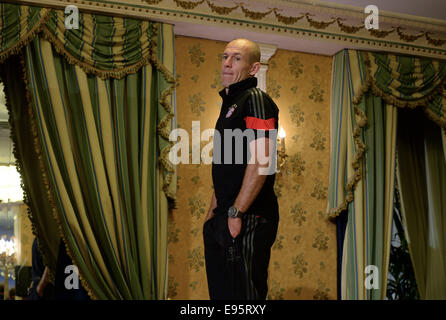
[319, 24]
[287, 20]
[188, 5]
[255, 15]
[221, 10]
[348, 29]
[435, 42]
[266, 52]
[322, 22]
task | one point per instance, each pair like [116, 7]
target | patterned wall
[303, 259]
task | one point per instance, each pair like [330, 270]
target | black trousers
[237, 269]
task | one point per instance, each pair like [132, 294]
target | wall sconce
[281, 154]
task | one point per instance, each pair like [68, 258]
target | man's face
[235, 65]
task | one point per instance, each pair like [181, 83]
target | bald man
[241, 224]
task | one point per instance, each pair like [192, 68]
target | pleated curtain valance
[104, 45]
[406, 81]
[18, 26]
[401, 81]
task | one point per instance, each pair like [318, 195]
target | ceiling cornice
[317, 23]
[355, 10]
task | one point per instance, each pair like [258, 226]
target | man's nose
[228, 62]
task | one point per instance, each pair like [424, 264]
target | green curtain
[412, 186]
[436, 191]
[366, 88]
[362, 165]
[370, 213]
[18, 26]
[26, 149]
[443, 138]
[100, 112]
[422, 185]
[407, 81]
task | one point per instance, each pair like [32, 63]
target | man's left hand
[235, 226]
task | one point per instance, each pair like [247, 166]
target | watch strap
[237, 214]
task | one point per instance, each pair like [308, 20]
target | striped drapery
[100, 107]
[34, 185]
[361, 177]
[366, 88]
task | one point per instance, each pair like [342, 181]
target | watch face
[232, 212]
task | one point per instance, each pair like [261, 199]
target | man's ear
[254, 68]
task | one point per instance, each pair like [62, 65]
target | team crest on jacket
[231, 110]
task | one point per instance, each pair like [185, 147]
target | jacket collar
[239, 87]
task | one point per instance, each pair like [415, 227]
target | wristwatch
[233, 212]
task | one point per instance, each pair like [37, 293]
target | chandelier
[8, 260]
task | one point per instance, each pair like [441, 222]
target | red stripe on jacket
[260, 124]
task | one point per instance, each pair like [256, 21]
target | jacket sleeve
[261, 112]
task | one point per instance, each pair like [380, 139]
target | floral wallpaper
[303, 258]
